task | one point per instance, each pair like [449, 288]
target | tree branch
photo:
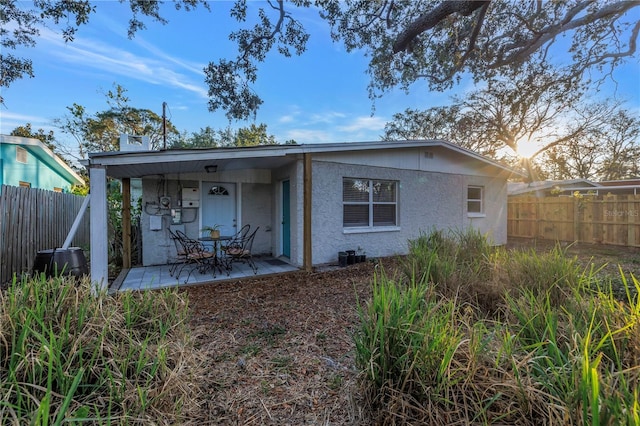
[429, 20]
[525, 48]
[276, 30]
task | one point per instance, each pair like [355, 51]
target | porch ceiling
[172, 165]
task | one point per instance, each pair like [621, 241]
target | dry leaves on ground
[279, 349]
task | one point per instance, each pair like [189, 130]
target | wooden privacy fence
[612, 219]
[32, 220]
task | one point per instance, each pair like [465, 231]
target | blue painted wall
[35, 170]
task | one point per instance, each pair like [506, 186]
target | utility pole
[164, 125]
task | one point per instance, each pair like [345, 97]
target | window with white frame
[21, 155]
[369, 203]
[475, 199]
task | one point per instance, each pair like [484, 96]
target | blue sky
[320, 96]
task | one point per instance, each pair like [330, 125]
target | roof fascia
[123, 158]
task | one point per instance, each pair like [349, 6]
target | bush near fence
[605, 219]
[32, 220]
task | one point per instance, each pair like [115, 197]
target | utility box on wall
[190, 197]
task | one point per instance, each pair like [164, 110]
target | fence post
[576, 219]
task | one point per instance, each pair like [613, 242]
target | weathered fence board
[612, 219]
[32, 220]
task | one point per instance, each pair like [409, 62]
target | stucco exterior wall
[426, 201]
[493, 223]
[256, 201]
[157, 246]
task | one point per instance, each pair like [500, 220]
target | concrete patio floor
[156, 277]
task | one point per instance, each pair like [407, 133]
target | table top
[220, 238]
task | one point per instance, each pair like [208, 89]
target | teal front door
[286, 220]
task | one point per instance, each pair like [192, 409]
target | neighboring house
[28, 162]
[620, 187]
[310, 201]
[548, 188]
[554, 188]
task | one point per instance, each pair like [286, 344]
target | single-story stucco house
[309, 201]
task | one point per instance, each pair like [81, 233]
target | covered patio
[158, 276]
[187, 190]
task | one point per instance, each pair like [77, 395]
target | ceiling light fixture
[211, 168]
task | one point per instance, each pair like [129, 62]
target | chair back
[176, 241]
[241, 247]
[189, 245]
[243, 231]
[249, 241]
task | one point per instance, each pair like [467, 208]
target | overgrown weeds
[554, 347]
[69, 355]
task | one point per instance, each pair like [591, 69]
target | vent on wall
[21, 155]
[428, 154]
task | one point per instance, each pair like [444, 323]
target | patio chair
[181, 254]
[242, 233]
[239, 250]
[196, 254]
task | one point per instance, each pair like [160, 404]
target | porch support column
[98, 227]
[126, 223]
[307, 261]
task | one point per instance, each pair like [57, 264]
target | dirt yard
[279, 349]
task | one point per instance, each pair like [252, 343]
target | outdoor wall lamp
[211, 168]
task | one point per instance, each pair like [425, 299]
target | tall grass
[410, 337]
[564, 350]
[458, 263]
[67, 355]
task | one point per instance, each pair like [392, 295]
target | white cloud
[308, 136]
[363, 123]
[286, 118]
[9, 121]
[97, 55]
[325, 117]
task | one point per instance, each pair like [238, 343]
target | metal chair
[239, 250]
[242, 233]
[195, 254]
[181, 254]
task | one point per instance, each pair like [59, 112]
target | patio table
[216, 263]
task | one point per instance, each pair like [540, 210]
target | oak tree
[405, 40]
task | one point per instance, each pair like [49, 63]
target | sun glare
[527, 148]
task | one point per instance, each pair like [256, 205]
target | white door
[219, 206]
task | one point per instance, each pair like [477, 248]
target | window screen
[369, 203]
[475, 199]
